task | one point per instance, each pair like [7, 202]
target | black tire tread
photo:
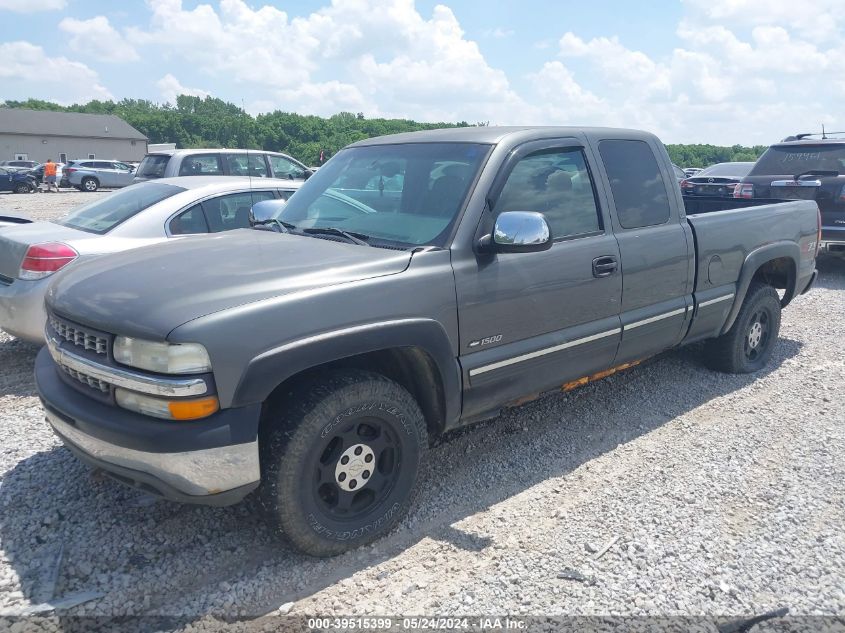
[298, 417]
[725, 353]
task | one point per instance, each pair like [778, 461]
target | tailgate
[15, 240]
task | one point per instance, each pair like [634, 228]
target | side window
[556, 183]
[225, 213]
[284, 168]
[284, 194]
[635, 181]
[201, 165]
[247, 165]
[189, 222]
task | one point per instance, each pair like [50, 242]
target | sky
[693, 71]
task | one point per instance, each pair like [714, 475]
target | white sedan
[145, 213]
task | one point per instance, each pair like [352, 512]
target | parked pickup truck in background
[416, 283]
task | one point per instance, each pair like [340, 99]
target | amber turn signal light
[193, 409]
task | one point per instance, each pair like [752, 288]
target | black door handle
[604, 266]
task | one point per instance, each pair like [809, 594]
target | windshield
[726, 170]
[153, 166]
[102, 215]
[797, 159]
[407, 194]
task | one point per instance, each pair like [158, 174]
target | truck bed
[727, 230]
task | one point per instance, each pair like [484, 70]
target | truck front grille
[80, 337]
[85, 379]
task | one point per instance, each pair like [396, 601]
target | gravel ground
[718, 495]
[46, 206]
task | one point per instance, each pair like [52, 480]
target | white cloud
[347, 56]
[28, 6]
[818, 20]
[27, 71]
[170, 88]
[97, 37]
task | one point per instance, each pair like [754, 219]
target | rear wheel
[340, 467]
[748, 345]
[22, 187]
[90, 184]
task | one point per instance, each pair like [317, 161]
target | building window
[63, 158]
[91, 156]
[133, 143]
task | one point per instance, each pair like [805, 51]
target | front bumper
[213, 461]
[22, 311]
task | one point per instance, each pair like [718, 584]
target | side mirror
[265, 211]
[518, 232]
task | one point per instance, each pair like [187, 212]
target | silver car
[90, 175]
[139, 215]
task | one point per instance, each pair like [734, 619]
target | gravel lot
[719, 495]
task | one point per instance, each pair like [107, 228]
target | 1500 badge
[486, 341]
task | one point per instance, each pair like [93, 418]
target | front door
[530, 322]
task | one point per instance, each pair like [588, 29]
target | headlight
[164, 358]
[167, 409]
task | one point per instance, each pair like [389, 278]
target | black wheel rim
[758, 335]
[356, 469]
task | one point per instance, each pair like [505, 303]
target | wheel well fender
[775, 264]
[416, 353]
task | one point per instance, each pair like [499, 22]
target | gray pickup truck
[416, 283]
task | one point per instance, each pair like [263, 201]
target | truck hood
[149, 291]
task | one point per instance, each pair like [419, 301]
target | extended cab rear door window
[636, 183]
[556, 183]
[201, 165]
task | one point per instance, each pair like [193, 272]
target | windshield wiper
[355, 238]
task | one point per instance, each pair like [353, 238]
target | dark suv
[804, 168]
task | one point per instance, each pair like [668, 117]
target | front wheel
[340, 467]
[22, 187]
[748, 345]
[90, 184]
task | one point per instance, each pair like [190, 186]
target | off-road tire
[758, 319]
[302, 451]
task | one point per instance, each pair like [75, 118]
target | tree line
[211, 122]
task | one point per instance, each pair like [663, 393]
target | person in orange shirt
[50, 175]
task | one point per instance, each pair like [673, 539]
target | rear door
[655, 245]
[529, 322]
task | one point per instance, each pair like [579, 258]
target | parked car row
[412, 286]
[92, 174]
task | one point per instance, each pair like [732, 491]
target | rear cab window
[153, 166]
[104, 214]
[636, 183]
